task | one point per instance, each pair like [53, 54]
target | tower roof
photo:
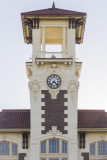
[53, 13]
[21, 119]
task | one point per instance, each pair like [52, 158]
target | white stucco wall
[17, 139]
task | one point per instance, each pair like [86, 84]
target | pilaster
[71, 47]
[36, 43]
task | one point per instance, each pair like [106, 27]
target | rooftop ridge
[15, 110]
[27, 110]
[90, 110]
[52, 9]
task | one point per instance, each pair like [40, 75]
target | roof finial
[53, 5]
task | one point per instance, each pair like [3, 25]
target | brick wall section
[85, 155]
[54, 111]
[21, 156]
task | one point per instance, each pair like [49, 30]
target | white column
[71, 47]
[64, 43]
[43, 42]
[36, 43]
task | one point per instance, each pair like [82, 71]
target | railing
[53, 54]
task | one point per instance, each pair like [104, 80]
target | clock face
[53, 81]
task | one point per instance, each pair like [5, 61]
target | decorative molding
[73, 88]
[53, 56]
[54, 93]
[65, 65]
[54, 132]
[37, 63]
[42, 66]
[34, 88]
[53, 66]
[29, 72]
[4, 137]
[70, 65]
[77, 73]
[103, 137]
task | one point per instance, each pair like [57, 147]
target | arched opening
[54, 147]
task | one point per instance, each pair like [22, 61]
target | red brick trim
[85, 155]
[54, 111]
[21, 156]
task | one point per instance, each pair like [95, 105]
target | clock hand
[53, 82]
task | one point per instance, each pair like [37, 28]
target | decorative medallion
[54, 132]
[73, 88]
[34, 89]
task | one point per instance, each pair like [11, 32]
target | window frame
[10, 150]
[95, 148]
[59, 155]
[4, 150]
[64, 146]
[43, 146]
[56, 147]
[96, 156]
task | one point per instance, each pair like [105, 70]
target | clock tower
[53, 81]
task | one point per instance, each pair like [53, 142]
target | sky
[14, 92]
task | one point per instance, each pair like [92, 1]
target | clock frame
[53, 81]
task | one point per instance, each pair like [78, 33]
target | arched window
[14, 149]
[102, 148]
[92, 149]
[98, 150]
[4, 149]
[57, 146]
[8, 149]
[43, 147]
[64, 147]
[53, 146]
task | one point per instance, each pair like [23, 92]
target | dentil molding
[73, 88]
[34, 88]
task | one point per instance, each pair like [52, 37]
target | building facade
[53, 128]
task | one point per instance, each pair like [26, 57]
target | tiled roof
[92, 119]
[53, 12]
[21, 119]
[17, 119]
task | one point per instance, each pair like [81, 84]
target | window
[54, 149]
[43, 147]
[92, 149]
[4, 149]
[8, 149]
[64, 147]
[14, 149]
[102, 148]
[53, 146]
